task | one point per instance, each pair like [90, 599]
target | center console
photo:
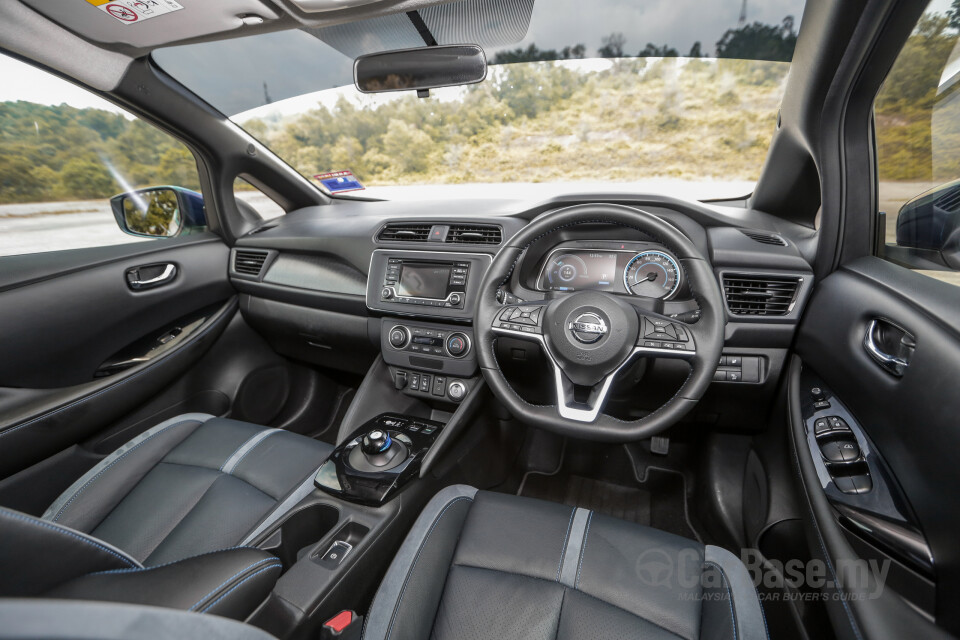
[378, 459]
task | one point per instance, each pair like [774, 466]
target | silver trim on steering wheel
[590, 415]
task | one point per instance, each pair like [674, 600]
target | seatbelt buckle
[346, 625]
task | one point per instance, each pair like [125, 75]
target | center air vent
[764, 238]
[474, 234]
[249, 263]
[754, 295]
[405, 232]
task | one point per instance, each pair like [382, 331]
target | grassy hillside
[545, 121]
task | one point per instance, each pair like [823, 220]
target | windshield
[604, 92]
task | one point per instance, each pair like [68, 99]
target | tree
[759, 41]
[612, 46]
[407, 147]
[653, 51]
[695, 51]
[85, 180]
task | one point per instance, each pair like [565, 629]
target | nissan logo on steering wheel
[588, 328]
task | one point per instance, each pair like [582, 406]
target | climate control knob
[458, 344]
[399, 337]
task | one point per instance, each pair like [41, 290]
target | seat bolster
[229, 583]
[87, 501]
[36, 555]
[737, 595]
[406, 603]
[72, 620]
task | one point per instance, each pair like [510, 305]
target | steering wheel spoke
[579, 403]
[661, 337]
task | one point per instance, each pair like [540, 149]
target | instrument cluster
[632, 268]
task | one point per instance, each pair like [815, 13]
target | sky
[231, 74]
[22, 81]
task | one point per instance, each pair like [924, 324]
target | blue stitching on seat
[583, 551]
[119, 458]
[234, 577]
[733, 618]
[42, 523]
[563, 549]
[423, 544]
[167, 564]
[104, 390]
[236, 465]
[237, 586]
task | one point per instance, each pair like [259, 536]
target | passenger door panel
[82, 347]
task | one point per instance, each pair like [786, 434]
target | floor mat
[660, 503]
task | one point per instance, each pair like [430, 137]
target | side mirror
[931, 223]
[420, 69]
[159, 212]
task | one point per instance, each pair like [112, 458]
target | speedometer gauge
[653, 274]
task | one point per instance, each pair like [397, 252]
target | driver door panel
[907, 421]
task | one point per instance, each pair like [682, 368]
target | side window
[266, 208]
[917, 115]
[65, 154]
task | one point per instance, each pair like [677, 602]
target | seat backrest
[37, 555]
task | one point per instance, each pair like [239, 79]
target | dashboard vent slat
[404, 232]
[474, 234]
[755, 295]
[249, 263]
[764, 238]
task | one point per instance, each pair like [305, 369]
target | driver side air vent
[405, 233]
[755, 295]
[764, 238]
[474, 234]
[249, 263]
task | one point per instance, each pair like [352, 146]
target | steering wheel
[590, 336]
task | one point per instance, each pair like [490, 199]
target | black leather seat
[484, 565]
[159, 520]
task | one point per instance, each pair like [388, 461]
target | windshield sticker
[134, 11]
[339, 181]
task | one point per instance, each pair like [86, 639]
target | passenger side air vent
[754, 295]
[249, 263]
[405, 233]
[764, 238]
[474, 234]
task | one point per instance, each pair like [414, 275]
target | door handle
[151, 275]
[889, 345]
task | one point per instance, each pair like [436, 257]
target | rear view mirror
[158, 212]
[420, 69]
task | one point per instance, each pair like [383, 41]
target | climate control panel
[434, 348]
[433, 342]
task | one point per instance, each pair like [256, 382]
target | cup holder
[300, 530]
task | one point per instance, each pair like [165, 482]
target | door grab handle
[895, 365]
[134, 281]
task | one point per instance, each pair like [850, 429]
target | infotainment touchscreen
[423, 280]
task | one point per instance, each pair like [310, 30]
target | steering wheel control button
[457, 391]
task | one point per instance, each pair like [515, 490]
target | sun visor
[488, 24]
[145, 24]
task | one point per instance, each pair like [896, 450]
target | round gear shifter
[377, 451]
[376, 442]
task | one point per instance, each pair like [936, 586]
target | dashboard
[637, 269]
